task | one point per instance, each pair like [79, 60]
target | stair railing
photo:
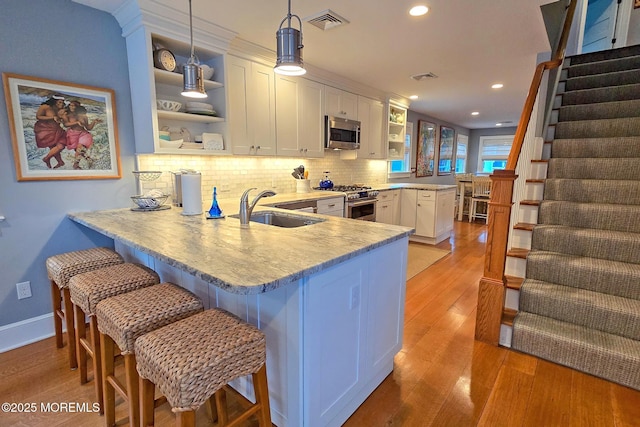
[492, 286]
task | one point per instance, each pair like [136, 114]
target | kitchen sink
[280, 219]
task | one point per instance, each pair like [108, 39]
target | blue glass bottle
[215, 211]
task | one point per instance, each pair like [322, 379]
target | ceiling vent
[326, 20]
[424, 76]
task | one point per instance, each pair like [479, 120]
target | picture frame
[61, 130]
[425, 156]
[636, 4]
[446, 150]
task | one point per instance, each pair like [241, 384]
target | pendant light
[193, 80]
[289, 48]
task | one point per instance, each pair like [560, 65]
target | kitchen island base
[331, 336]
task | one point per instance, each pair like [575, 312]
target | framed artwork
[636, 4]
[61, 131]
[446, 150]
[425, 155]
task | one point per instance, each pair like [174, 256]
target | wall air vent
[424, 76]
[326, 20]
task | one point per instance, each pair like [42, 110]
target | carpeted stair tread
[603, 80]
[594, 274]
[579, 303]
[602, 94]
[604, 55]
[602, 110]
[587, 242]
[612, 191]
[604, 355]
[604, 312]
[602, 67]
[594, 168]
[590, 215]
[625, 126]
[596, 147]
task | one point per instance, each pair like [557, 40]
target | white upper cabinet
[251, 106]
[340, 103]
[370, 115]
[299, 124]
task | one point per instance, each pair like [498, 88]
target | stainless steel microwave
[342, 134]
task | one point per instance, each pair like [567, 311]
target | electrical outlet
[24, 290]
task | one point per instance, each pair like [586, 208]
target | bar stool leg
[81, 333]
[108, 369]
[133, 393]
[57, 312]
[147, 398]
[186, 419]
[68, 317]
[262, 396]
[96, 356]
[221, 407]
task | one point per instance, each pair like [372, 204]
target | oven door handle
[363, 202]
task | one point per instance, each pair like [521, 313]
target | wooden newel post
[491, 292]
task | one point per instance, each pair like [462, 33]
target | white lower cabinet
[408, 202]
[331, 335]
[354, 322]
[251, 107]
[388, 207]
[333, 206]
[429, 212]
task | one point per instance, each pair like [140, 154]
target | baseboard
[26, 332]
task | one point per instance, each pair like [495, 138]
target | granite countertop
[242, 261]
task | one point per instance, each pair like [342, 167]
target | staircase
[579, 303]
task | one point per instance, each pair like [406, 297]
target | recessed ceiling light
[475, 113]
[497, 86]
[418, 10]
[413, 97]
[498, 124]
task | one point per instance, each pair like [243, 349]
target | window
[461, 153]
[493, 152]
[403, 167]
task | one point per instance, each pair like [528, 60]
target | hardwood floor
[442, 376]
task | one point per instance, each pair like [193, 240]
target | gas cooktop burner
[344, 188]
[353, 191]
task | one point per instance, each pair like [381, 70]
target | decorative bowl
[207, 72]
[149, 202]
[147, 175]
[166, 105]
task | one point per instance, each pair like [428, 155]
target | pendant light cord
[192, 58]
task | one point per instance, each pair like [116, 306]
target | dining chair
[480, 193]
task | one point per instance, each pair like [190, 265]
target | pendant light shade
[193, 86]
[289, 48]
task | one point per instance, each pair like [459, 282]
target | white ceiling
[468, 44]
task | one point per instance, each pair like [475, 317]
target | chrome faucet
[246, 208]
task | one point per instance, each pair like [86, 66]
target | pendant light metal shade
[289, 48]
[193, 81]
[193, 86]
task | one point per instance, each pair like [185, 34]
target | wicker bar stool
[192, 360]
[124, 318]
[87, 290]
[60, 268]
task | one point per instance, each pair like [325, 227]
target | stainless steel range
[361, 201]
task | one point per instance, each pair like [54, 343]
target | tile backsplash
[234, 174]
